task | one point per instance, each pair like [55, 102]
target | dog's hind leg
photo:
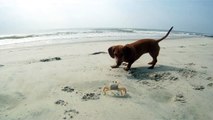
[154, 51]
[154, 56]
[153, 63]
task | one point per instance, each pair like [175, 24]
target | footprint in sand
[180, 98]
[209, 78]
[210, 85]
[204, 67]
[69, 114]
[68, 89]
[157, 76]
[61, 102]
[162, 76]
[187, 73]
[198, 87]
[161, 96]
[91, 96]
[181, 46]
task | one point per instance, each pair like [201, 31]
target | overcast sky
[29, 15]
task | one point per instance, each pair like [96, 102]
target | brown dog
[131, 52]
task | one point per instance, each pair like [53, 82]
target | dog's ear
[127, 51]
[111, 52]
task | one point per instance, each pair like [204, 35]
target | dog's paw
[150, 63]
[114, 66]
[126, 69]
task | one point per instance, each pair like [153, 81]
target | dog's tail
[165, 35]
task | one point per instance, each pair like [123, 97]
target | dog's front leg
[128, 66]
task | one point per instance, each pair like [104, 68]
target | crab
[115, 85]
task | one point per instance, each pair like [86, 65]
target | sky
[18, 16]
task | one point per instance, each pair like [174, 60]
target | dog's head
[120, 52]
[116, 51]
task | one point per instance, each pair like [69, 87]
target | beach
[65, 81]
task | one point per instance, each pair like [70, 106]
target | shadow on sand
[117, 95]
[160, 72]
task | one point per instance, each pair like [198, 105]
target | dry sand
[180, 87]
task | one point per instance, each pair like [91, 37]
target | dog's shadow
[159, 72]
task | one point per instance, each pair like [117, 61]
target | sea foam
[89, 35]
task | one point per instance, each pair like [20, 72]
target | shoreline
[46, 43]
[88, 35]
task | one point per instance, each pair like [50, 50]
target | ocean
[86, 35]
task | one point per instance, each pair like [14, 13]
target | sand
[65, 81]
